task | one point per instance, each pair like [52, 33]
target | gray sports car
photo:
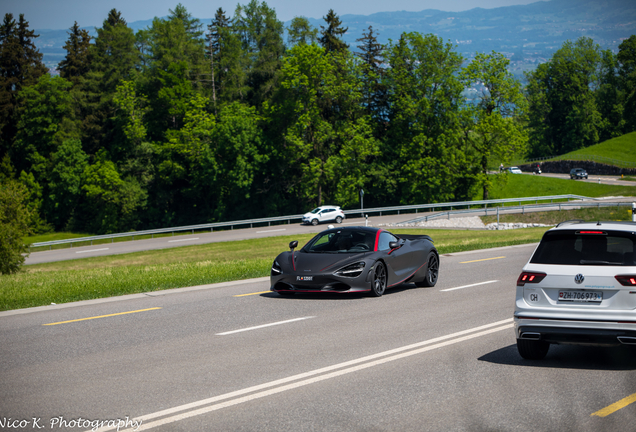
[355, 259]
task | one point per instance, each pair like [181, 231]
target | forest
[187, 122]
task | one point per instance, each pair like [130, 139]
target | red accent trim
[411, 275]
[377, 238]
[293, 262]
[591, 232]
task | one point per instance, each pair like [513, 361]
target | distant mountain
[529, 34]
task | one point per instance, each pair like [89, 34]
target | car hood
[319, 262]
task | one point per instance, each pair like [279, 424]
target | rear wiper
[600, 262]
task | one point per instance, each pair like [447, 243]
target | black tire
[532, 349]
[432, 271]
[378, 285]
[314, 222]
[338, 219]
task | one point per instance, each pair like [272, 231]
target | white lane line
[92, 250]
[180, 240]
[282, 229]
[264, 325]
[468, 286]
[416, 348]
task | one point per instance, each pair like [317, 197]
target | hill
[530, 33]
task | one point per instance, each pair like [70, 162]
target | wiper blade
[600, 262]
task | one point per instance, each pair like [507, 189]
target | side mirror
[293, 245]
[394, 245]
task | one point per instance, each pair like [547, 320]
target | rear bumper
[576, 333]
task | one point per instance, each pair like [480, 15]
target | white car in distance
[579, 287]
[324, 214]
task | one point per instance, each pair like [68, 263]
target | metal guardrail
[498, 210]
[268, 221]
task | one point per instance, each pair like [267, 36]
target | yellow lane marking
[256, 293]
[101, 316]
[485, 259]
[615, 406]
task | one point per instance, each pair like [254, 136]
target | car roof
[328, 207]
[609, 225]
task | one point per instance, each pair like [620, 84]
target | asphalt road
[235, 357]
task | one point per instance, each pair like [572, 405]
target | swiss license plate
[581, 296]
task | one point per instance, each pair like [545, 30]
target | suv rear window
[586, 247]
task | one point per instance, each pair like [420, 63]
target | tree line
[186, 122]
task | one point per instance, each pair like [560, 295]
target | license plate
[304, 278]
[581, 296]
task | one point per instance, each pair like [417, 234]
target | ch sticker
[534, 297]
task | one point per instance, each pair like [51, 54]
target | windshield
[316, 210]
[343, 241]
[586, 248]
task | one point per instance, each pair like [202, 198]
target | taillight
[530, 277]
[626, 280]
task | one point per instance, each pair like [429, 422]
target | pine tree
[213, 52]
[300, 32]
[374, 91]
[330, 39]
[76, 64]
[20, 66]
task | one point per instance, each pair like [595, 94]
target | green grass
[622, 148]
[554, 217]
[99, 277]
[519, 186]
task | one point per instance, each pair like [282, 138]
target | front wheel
[532, 349]
[314, 222]
[432, 271]
[379, 280]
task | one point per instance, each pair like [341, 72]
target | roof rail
[573, 221]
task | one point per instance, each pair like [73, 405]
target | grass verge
[100, 277]
[554, 217]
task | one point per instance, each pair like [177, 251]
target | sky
[61, 14]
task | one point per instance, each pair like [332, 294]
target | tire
[432, 271]
[338, 219]
[378, 285]
[532, 349]
[314, 222]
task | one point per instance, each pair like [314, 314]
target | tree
[46, 120]
[494, 124]
[14, 226]
[300, 32]
[626, 59]
[76, 64]
[374, 90]
[422, 158]
[330, 39]
[563, 115]
[214, 52]
[20, 66]
[64, 183]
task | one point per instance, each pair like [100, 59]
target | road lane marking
[327, 372]
[256, 293]
[484, 259]
[180, 240]
[274, 230]
[468, 286]
[102, 316]
[263, 326]
[92, 250]
[615, 406]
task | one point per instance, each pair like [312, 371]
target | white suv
[579, 287]
[324, 214]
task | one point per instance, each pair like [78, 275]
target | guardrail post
[497, 217]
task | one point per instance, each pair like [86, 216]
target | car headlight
[276, 270]
[352, 270]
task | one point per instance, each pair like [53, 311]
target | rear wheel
[432, 271]
[379, 280]
[532, 349]
[338, 219]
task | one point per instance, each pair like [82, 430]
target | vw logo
[579, 278]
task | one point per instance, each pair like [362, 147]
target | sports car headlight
[352, 270]
[276, 270]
